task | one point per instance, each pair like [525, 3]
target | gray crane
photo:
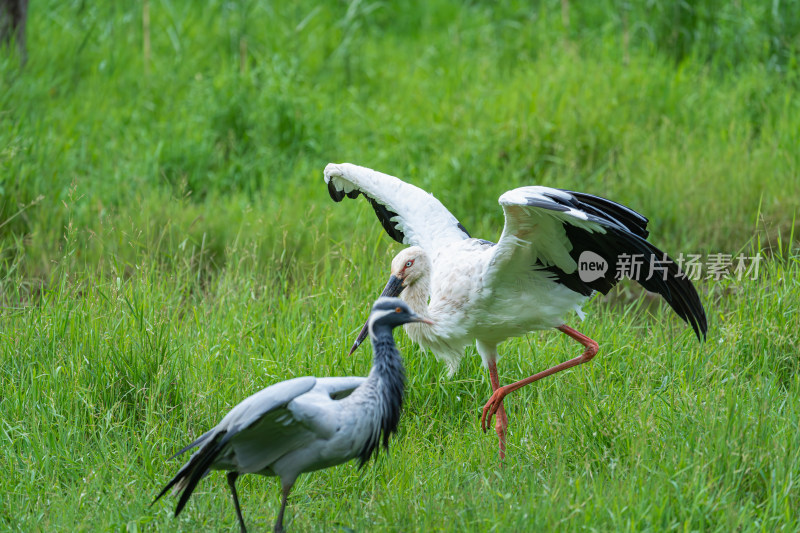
[308, 423]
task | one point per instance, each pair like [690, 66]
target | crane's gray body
[300, 425]
[293, 427]
[305, 424]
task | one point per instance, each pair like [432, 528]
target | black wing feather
[385, 217]
[626, 231]
[336, 196]
[622, 215]
[381, 211]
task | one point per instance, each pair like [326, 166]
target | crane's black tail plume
[195, 469]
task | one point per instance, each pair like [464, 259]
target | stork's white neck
[445, 337]
[416, 296]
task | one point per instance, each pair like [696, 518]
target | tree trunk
[13, 15]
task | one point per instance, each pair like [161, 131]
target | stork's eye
[398, 310]
[409, 263]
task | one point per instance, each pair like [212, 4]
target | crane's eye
[409, 263]
[398, 310]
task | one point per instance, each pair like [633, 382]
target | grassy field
[168, 247]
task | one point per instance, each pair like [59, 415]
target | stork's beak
[393, 288]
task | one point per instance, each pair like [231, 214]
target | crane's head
[392, 312]
[408, 267]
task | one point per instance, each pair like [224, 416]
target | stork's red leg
[501, 424]
[496, 401]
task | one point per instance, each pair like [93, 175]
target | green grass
[167, 247]
[104, 380]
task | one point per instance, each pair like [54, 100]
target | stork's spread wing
[554, 230]
[408, 214]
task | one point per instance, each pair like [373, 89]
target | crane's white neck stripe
[377, 315]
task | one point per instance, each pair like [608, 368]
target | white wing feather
[422, 219]
[534, 232]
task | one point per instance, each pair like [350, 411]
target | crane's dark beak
[393, 288]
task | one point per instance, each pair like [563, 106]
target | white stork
[477, 290]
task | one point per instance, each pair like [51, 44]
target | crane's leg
[501, 424]
[285, 496]
[496, 401]
[232, 484]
